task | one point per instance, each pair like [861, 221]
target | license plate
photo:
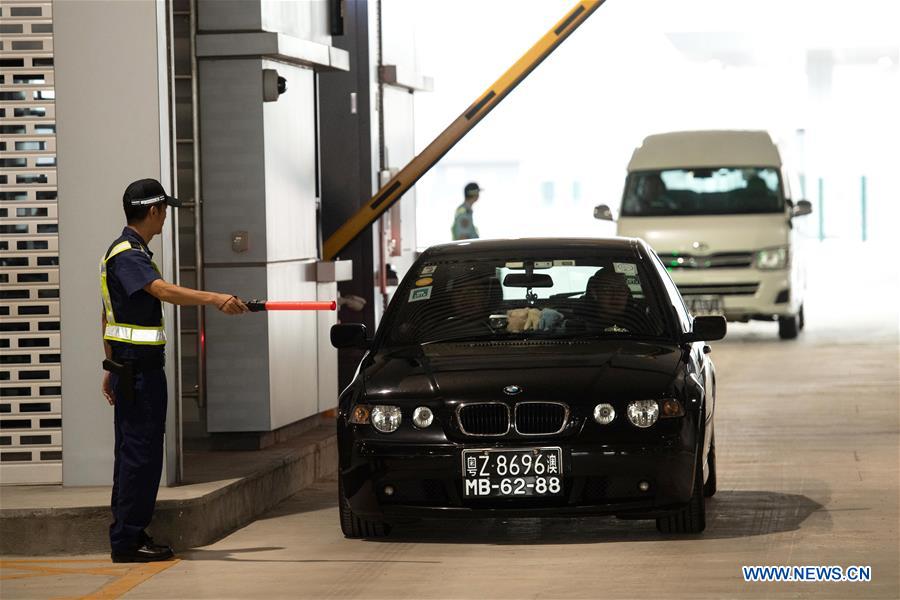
[518, 473]
[704, 305]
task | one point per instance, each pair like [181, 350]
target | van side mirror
[349, 335]
[707, 329]
[602, 212]
[803, 207]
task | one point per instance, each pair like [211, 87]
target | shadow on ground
[731, 514]
[247, 555]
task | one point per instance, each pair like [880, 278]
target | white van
[717, 208]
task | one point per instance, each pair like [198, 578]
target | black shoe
[143, 553]
[146, 540]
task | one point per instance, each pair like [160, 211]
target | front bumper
[774, 295]
[598, 479]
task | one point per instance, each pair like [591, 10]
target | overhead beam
[394, 189]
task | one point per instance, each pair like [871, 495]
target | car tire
[691, 518]
[802, 318]
[355, 527]
[709, 488]
[788, 327]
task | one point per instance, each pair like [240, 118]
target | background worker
[132, 291]
[463, 225]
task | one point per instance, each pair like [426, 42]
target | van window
[724, 191]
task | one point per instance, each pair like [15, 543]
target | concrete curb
[183, 523]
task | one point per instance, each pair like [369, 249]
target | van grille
[723, 260]
[720, 289]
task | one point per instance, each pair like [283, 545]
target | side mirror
[602, 212]
[707, 329]
[349, 335]
[803, 207]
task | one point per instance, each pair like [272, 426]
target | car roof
[620, 245]
[714, 148]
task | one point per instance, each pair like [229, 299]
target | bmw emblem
[512, 390]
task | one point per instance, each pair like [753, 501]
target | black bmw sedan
[530, 377]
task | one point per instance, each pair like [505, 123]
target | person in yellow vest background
[463, 223]
[132, 291]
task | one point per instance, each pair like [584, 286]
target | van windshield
[723, 191]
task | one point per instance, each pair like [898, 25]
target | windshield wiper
[623, 335]
[462, 338]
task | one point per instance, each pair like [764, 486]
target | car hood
[719, 233]
[592, 371]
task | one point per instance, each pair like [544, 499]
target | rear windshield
[548, 297]
[725, 191]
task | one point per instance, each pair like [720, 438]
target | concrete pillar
[112, 128]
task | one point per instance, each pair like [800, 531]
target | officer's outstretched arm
[175, 294]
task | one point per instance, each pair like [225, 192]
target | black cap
[472, 189]
[146, 192]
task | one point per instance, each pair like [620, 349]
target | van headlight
[386, 419]
[772, 258]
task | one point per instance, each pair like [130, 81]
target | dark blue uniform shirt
[127, 273]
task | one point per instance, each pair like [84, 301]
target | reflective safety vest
[463, 226]
[126, 332]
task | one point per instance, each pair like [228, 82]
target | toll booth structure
[272, 122]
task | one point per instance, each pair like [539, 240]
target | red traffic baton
[261, 305]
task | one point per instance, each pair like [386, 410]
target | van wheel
[691, 518]
[788, 327]
[353, 526]
[802, 318]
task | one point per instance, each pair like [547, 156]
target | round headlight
[604, 414]
[422, 417]
[643, 413]
[386, 418]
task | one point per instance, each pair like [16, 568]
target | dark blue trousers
[140, 427]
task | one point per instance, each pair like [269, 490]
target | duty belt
[140, 365]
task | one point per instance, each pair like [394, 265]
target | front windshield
[513, 298]
[705, 191]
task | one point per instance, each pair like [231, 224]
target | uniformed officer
[134, 339]
[463, 225]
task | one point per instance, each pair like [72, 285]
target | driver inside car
[606, 301]
[472, 298]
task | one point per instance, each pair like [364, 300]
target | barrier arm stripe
[394, 189]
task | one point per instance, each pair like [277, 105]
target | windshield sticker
[625, 268]
[564, 263]
[634, 284]
[420, 294]
[429, 270]
[424, 281]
